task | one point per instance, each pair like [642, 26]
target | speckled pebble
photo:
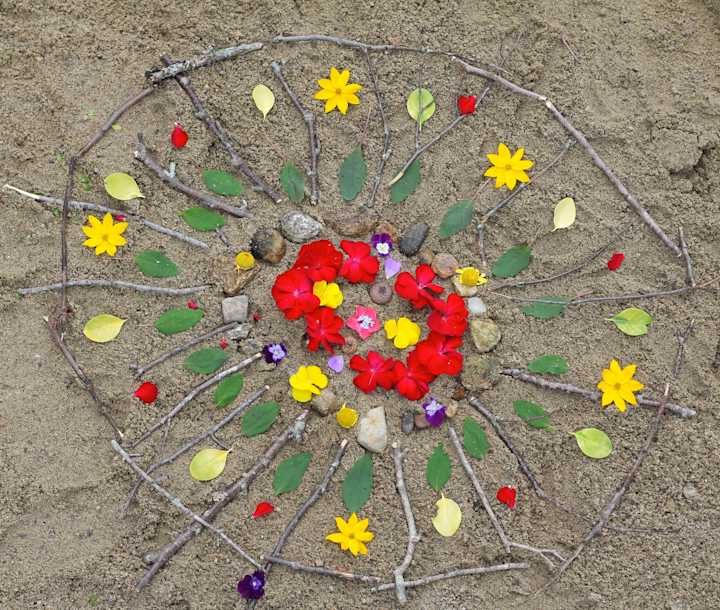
[476, 306]
[381, 293]
[444, 265]
[268, 245]
[413, 238]
[407, 423]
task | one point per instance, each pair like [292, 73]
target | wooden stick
[426, 580]
[210, 433]
[308, 118]
[300, 567]
[177, 503]
[240, 485]
[386, 151]
[413, 536]
[198, 389]
[593, 395]
[171, 71]
[57, 202]
[141, 370]
[686, 256]
[114, 284]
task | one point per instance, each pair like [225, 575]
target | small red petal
[120, 218]
[263, 509]
[507, 495]
[179, 136]
[466, 104]
[256, 316]
[615, 261]
[223, 343]
[147, 392]
[192, 304]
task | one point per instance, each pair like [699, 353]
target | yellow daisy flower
[104, 236]
[508, 169]
[336, 92]
[471, 276]
[618, 385]
[330, 295]
[351, 535]
[308, 380]
[403, 331]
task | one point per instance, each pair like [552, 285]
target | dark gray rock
[413, 238]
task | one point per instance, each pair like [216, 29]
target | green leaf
[437, 471]
[593, 443]
[474, 439]
[259, 418]
[289, 473]
[206, 361]
[292, 182]
[405, 185]
[632, 321]
[178, 319]
[549, 364]
[154, 263]
[352, 174]
[222, 183]
[544, 310]
[202, 219]
[208, 464]
[357, 486]
[512, 261]
[533, 415]
[457, 217]
[420, 105]
[228, 389]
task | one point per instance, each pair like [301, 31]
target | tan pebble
[451, 409]
[421, 421]
[444, 265]
[351, 345]
[426, 255]
[385, 227]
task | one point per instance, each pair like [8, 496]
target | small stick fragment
[716, 360]
[387, 151]
[426, 580]
[114, 284]
[413, 536]
[688, 260]
[172, 70]
[300, 567]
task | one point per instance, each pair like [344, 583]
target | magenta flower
[364, 322]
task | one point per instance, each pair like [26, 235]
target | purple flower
[382, 243]
[252, 586]
[434, 412]
[274, 353]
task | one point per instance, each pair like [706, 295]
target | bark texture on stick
[502, 567]
[113, 284]
[413, 536]
[172, 70]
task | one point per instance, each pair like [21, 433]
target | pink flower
[364, 322]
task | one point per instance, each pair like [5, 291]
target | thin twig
[155, 76]
[426, 580]
[114, 284]
[240, 485]
[209, 433]
[219, 132]
[308, 118]
[686, 256]
[57, 202]
[141, 370]
[300, 567]
[593, 395]
[198, 389]
[716, 360]
[209, 201]
[413, 536]
[386, 151]
[177, 503]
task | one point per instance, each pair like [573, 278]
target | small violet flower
[274, 353]
[434, 412]
[252, 586]
[364, 322]
[382, 243]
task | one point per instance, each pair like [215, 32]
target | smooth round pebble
[444, 265]
[381, 293]
[476, 306]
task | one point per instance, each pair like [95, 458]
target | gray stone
[690, 492]
[325, 402]
[407, 423]
[480, 373]
[268, 245]
[233, 280]
[241, 331]
[351, 225]
[299, 227]
[381, 293]
[413, 238]
[476, 306]
[485, 334]
[235, 309]
[372, 430]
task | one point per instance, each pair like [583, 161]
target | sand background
[642, 83]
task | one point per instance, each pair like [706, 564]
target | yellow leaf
[448, 517]
[208, 464]
[564, 213]
[103, 328]
[263, 98]
[122, 186]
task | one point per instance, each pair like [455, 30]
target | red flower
[224, 343]
[323, 328]
[438, 354]
[466, 104]
[507, 496]
[147, 392]
[360, 266]
[412, 380]
[320, 260]
[417, 290]
[615, 261]
[373, 370]
[293, 294]
[120, 217]
[179, 136]
[449, 317]
[263, 509]
[192, 304]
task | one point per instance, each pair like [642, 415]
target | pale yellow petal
[352, 88]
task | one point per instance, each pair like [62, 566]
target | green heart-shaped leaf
[437, 471]
[632, 321]
[405, 185]
[222, 183]
[456, 218]
[474, 439]
[512, 261]
[357, 486]
[292, 182]
[546, 308]
[290, 472]
[154, 263]
[206, 361]
[259, 418]
[352, 174]
[549, 364]
[228, 389]
[202, 219]
[593, 443]
[533, 415]
[178, 319]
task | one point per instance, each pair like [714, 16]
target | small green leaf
[593, 443]
[228, 389]
[154, 263]
[357, 486]
[420, 105]
[632, 321]
[512, 261]
[222, 183]
[292, 182]
[290, 472]
[177, 320]
[474, 439]
[437, 471]
[546, 308]
[352, 174]
[533, 415]
[549, 364]
[259, 418]
[208, 464]
[457, 217]
[202, 219]
[206, 361]
[405, 185]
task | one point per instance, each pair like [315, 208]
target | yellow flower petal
[94, 221]
[352, 98]
[301, 395]
[344, 78]
[511, 180]
[316, 376]
[352, 88]
[331, 104]
[615, 367]
[523, 165]
[334, 76]
[352, 521]
[346, 417]
[391, 329]
[116, 240]
[342, 526]
[521, 176]
[504, 154]
[335, 537]
[627, 373]
[517, 156]
[364, 536]
[326, 83]
[342, 104]
[324, 94]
